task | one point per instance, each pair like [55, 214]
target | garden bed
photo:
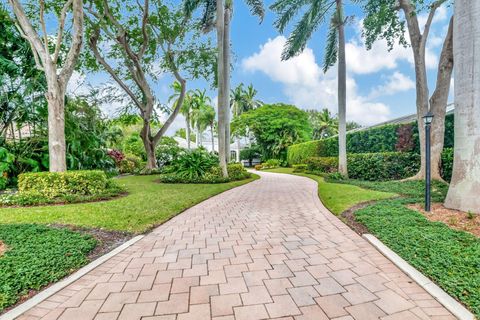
[455, 219]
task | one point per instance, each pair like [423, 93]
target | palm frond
[302, 32]
[331, 48]
[286, 10]
[256, 8]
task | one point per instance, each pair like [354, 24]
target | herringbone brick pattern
[266, 250]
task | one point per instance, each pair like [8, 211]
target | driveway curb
[45, 294]
[455, 307]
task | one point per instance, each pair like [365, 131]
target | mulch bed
[348, 217]
[455, 219]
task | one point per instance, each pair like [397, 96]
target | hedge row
[388, 138]
[380, 166]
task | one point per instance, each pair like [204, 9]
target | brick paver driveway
[265, 250]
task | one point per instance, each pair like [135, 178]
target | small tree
[57, 57]
[144, 40]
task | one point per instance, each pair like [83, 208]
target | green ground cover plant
[36, 256]
[147, 204]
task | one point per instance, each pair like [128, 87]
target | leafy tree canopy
[275, 127]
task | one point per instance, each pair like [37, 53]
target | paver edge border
[48, 292]
[452, 305]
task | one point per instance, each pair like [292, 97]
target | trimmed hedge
[370, 166]
[56, 184]
[388, 138]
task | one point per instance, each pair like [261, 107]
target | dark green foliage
[383, 166]
[250, 153]
[447, 164]
[388, 138]
[36, 256]
[193, 164]
[276, 127]
[370, 166]
[322, 164]
[235, 172]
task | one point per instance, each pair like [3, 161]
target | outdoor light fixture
[427, 119]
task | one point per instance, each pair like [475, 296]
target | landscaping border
[452, 305]
[45, 294]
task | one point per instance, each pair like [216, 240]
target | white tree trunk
[56, 127]
[226, 79]
[187, 120]
[342, 95]
[238, 150]
[463, 193]
[221, 87]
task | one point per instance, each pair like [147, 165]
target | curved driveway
[266, 250]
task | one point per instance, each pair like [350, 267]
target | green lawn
[36, 256]
[339, 197]
[147, 204]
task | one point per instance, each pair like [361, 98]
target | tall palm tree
[315, 13]
[200, 103]
[186, 109]
[242, 100]
[323, 123]
[218, 13]
[463, 190]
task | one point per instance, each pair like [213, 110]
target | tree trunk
[463, 193]
[213, 138]
[438, 102]
[187, 120]
[221, 87]
[238, 150]
[342, 94]
[226, 79]
[149, 144]
[56, 123]
[197, 137]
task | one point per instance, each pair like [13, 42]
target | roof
[402, 120]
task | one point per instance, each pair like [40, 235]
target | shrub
[193, 164]
[6, 166]
[271, 164]
[299, 168]
[387, 138]
[298, 153]
[250, 153]
[55, 184]
[116, 155]
[214, 175]
[258, 167]
[371, 166]
[322, 164]
[383, 166]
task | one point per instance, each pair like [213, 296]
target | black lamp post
[427, 119]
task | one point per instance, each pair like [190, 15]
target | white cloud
[397, 82]
[307, 87]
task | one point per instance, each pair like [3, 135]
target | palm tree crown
[315, 14]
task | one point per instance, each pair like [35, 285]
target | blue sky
[380, 83]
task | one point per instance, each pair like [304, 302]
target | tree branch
[61, 27]
[38, 63]
[43, 26]
[27, 32]
[428, 24]
[146, 38]
[93, 43]
[76, 46]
